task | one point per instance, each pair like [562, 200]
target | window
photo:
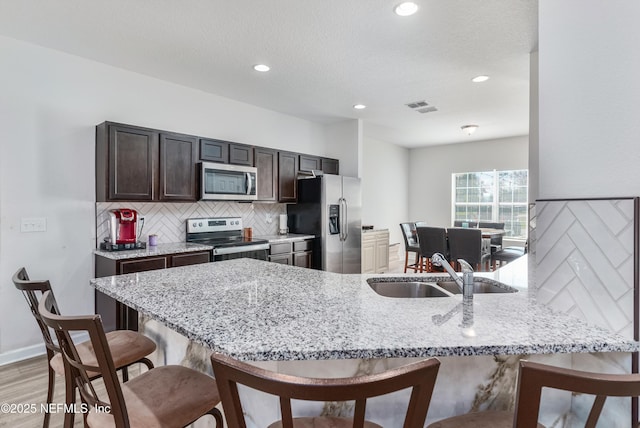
[497, 196]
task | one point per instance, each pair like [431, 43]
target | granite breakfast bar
[316, 323]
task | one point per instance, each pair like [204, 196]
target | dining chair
[165, 396]
[431, 240]
[411, 246]
[230, 373]
[532, 377]
[466, 243]
[128, 347]
[506, 255]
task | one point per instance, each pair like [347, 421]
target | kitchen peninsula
[287, 318]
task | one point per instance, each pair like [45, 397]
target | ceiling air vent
[427, 109]
[421, 107]
[417, 104]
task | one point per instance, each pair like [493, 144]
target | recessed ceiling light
[479, 79]
[469, 129]
[406, 9]
[359, 106]
[261, 67]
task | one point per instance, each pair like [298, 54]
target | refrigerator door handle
[344, 222]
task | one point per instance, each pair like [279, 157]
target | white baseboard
[27, 352]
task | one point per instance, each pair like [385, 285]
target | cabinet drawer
[284, 259]
[302, 246]
[280, 248]
[190, 259]
[142, 265]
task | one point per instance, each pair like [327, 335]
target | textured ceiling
[324, 55]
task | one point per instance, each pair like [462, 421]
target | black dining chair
[466, 244]
[431, 240]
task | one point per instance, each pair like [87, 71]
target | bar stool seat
[157, 398]
[489, 419]
[126, 346]
[324, 422]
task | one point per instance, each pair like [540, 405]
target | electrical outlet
[269, 219]
[33, 224]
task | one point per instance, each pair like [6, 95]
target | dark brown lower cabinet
[297, 253]
[117, 316]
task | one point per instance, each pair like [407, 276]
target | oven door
[228, 182]
[258, 251]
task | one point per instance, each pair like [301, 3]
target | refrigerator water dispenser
[334, 219]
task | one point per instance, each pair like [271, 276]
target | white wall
[50, 103]
[430, 172]
[589, 98]
[385, 184]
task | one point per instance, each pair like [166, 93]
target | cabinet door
[239, 154]
[330, 166]
[214, 150]
[178, 167]
[287, 177]
[302, 259]
[131, 163]
[308, 163]
[267, 164]
[382, 253]
[188, 259]
[368, 256]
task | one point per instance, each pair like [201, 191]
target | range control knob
[194, 224]
[200, 224]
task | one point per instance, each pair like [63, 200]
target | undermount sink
[413, 289]
[407, 289]
[478, 287]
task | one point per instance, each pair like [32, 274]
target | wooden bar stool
[167, 396]
[127, 347]
[420, 377]
[411, 246]
[532, 378]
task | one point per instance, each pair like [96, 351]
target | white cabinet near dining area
[375, 251]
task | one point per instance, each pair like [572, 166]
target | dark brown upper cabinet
[225, 152]
[309, 163]
[287, 177]
[330, 166]
[214, 150]
[240, 154]
[178, 167]
[141, 164]
[267, 165]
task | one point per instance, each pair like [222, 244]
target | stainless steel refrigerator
[329, 207]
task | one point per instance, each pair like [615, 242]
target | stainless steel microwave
[228, 182]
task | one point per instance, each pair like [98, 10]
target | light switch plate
[33, 224]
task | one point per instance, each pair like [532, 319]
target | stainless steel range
[225, 234]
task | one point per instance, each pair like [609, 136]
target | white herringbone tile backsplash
[584, 254]
[167, 220]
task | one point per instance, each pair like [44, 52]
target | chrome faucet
[466, 283]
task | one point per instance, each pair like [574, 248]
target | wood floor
[25, 382]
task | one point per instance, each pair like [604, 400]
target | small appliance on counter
[282, 228]
[123, 231]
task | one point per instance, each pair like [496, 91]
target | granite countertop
[255, 310]
[290, 237]
[158, 250]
